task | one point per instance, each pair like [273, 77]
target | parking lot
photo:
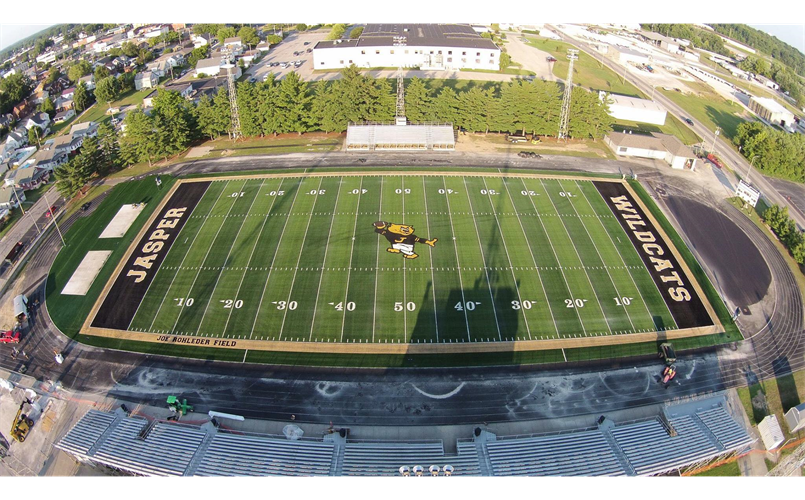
[284, 53]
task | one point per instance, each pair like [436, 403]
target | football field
[391, 258]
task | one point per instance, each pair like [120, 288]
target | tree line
[786, 230]
[765, 43]
[294, 105]
[775, 151]
[700, 38]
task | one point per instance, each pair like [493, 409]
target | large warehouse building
[771, 111]
[623, 107]
[424, 46]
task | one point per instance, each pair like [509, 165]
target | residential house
[146, 80]
[15, 139]
[123, 61]
[234, 44]
[263, 46]
[185, 89]
[85, 129]
[63, 116]
[10, 197]
[48, 158]
[158, 67]
[27, 178]
[248, 57]
[68, 93]
[41, 120]
[198, 41]
[89, 81]
[6, 119]
[209, 67]
[148, 101]
[63, 104]
[23, 109]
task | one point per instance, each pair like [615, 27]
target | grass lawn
[774, 397]
[57, 130]
[709, 109]
[97, 113]
[728, 469]
[93, 193]
[672, 126]
[587, 70]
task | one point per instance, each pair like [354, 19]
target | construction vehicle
[178, 407]
[667, 353]
[22, 424]
[668, 374]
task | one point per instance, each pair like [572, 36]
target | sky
[12, 33]
[792, 34]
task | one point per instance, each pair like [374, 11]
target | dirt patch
[494, 143]
[198, 152]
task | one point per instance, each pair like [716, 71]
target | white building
[656, 146]
[747, 193]
[146, 80]
[623, 107]
[770, 432]
[212, 67]
[771, 111]
[795, 418]
[426, 46]
[626, 56]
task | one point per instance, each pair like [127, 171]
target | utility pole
[53, 216]
[19, 203]
[749, 168]
[229, 67]
[715, 134]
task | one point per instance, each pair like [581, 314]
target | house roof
[148, 75]
[71, 90]
[208, 63]
[653, 142]
[634, 102]
[771, 105]
[63, 114]
[6, 193]
[61, 141]
[22, 175]
[234, 39]
[79, 127]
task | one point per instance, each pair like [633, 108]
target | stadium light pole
[715, 134]
[749, 168]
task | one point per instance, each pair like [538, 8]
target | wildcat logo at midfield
[402, 238]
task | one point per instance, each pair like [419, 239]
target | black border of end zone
[123, 299]
[689, 313]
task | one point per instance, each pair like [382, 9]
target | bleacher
[232, 454]
[684, 434]
[384, 458]
[584, 453]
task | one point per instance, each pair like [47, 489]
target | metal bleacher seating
[584, 453]
[231, 454]
[384, 458]
[725, 429]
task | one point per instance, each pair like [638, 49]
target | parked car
[309, 51]
[252, 80]
[715, 160]
[10, 337]
[53, 210]
[550, 59]
[307, 43]
[86, 206]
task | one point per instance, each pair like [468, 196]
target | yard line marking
[160, 267]
[248, 264]
[274, 257]
[352, 248]
[458, 263]
[377, 263]
[228, 254]
[600, 307]
[631, 267]
[430, 259]
[555, 256]
[323, 262]
[206, 255]
[508, 257]
[483, 259]
[195, 238]
[298, 259]
[628, 316]
[405, 301]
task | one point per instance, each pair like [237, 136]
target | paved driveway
[530, 57]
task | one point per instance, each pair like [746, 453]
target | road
[724, 148]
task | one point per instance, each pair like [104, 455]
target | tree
[211, 114]
[48, 107]
[505, 61]
[337, 32]
[107, 90]
[80, 97]
[72, 176]
[248, 36]
[130, 49]
[140, 142]
[53, 75]
[173, 121]
[14, 89]
[273, 39]
[35, 136]
[100, 73]
[78, 70]
[224, 33]
[293, 103]
[144, 56]
[417, 101]
[198, 54]
[356, 32]
[301, 27]
[108, 148]
[486, 35]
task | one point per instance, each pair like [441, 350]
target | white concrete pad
[86, 272]
[122, 221]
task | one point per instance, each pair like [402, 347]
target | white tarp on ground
[122, 221]
[86, 272]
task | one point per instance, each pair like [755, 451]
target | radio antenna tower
[564, 117]
[229, 67]
[400, 117]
